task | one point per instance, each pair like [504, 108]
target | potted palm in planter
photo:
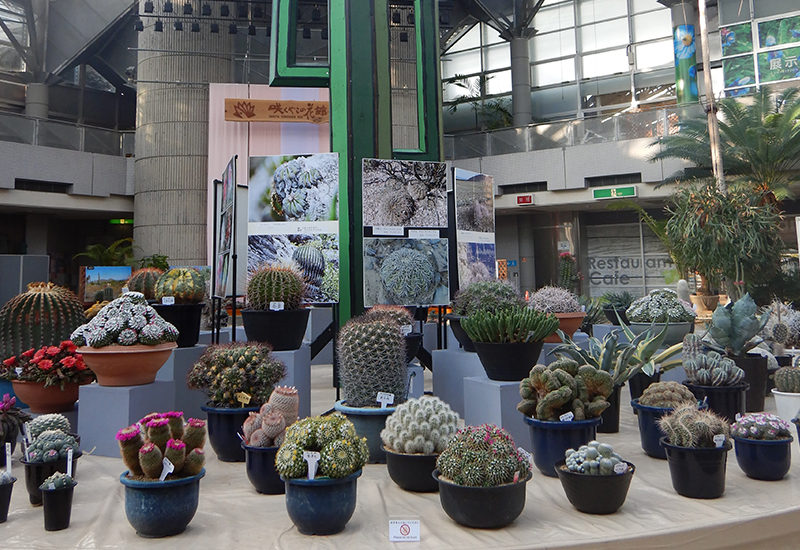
[275, 314]
[482, 477]
[237, 378]
[126, 342]
[414, 436]
[564, 305]
[595, 478]
[11, 421]
[562, 404]
[657, 400]
[509, 342]
[179, 293]
[263, 433]
[57, 500]
[490, 296]
[48, 452]
[763, 446]
[697, 444]
[6, 486]
[716, 380]
[321, 499]
[787, 392]
[659, 309]
[615, 305]
[165, 460]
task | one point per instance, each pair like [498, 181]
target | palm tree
[118, 253]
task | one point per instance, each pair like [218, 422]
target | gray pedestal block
[298, 374]
[429, 336]
[175, 370]
[450, 368]
[224, 335]
[416, 381]
[318, 321]
[105, 409]
[492, 402]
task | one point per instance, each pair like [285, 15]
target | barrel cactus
[687, 426]
[44, 315]
[185, 284]
[311, 262]
[408, 277]
[144, 281]
[397, 314]
[423, 425]
[692, 347]
[490, 296]
[711, 369]
[666, 395]
[275, 283]
[58, 480]
[787, 379]
[594, 458]
[48, 422]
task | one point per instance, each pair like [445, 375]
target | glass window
[461, 88]
[554, 72]
[733, 11]
[472, 39]
[555, 103]
[768, 8]
[554, 18]
[490, 35]
[497, 56]
[654, 54]
[599, 64]
[655, 24]
[461, 63]
[590, 11]
[498, 83]
[604, 35]
[606, 91]
[552, 45]
[645, 5]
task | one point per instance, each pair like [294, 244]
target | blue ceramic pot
[161, 508]
[649, 432]
[223, 426]
[762, 459]
[260, 465]
[321, 506]
[550, 440]
[368, 422]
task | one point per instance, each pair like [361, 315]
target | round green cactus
[48, 422]
[787, 379]
[408, 277]
[273, 283]
[311, 262]
[58, 480]
[491, 296]
[397, 314]
[711, 369]
[594, 458]
[422, 425]
[144, 280]
[185, 284]
[51, 445]
[666, 395]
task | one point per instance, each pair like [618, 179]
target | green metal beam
[283, 67]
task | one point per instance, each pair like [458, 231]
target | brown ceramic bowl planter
[44, 400]
[568, 323]
[135, 365]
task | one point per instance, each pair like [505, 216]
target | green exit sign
[614, 192]
[121, 221]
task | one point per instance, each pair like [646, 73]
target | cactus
[711, 369]
[422, 425]
[491, 296]
[780, 333]
[176, 453]
[95, 309]
[58, 481]
[398, 314]
[397, 208]
[553, 299]
[567, 274]
[311, 262]
[330, 284]
[660, 306]
[482, 456]
[194, 462]
[409, 277]
[175, 423]
[515, 325]
[44, 315]
[158, 432]
[301, 192]
[787, 379]
[372, 359]
[692, 347]
[762, 426]
[734, 325]
[51, 445]
[687, 426]
[266, 428]
[272, 283]
[48, 422]
[666, 395]
[130, 441]
[185, 284]
[594, 458]
[194, 433]
[144, 281]
[286, 401]
[150, 460]
[11, 419]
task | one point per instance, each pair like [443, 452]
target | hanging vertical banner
[225, 229]
[475, 227]
[685, 63]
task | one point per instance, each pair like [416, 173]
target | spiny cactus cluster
[567, 271]
[687, 426]
[511, 326]
[661, 306]
[44, 315]
[692, 347]
[275, 283]
[492, 296]
[563, 386]
[226, 370]
[51, 445]
[266, 428]
[408, 277]
[423, 425]
[185, 284]
[48, 422]
[553, 299]
[785, 316]
[763, 426]
[787, 379]
[311, 261]
[711, 369]
[342, 452]
[666, 395]
[58, 481]
[482, 456]
[144, 281]
[397, 314]
[300, 192]
[372, 359]
[125, 321]
[733, 326]
[144, 445]
[594, 458]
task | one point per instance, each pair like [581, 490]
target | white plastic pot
[787, 404]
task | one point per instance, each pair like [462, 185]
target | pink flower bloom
[172, 414]
[128, 433]
[196, 423]
[52, 350]
[45, 364]
[157, 422]
[176, 444]
[146, 448]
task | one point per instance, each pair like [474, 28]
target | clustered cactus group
[594, 458]
[762, 426]
[687, 426]
[553, 299]
[276, 283]
[409, 277]
[51, 445]
[185, 284]
[787, 379]
[491, 296]
[12, 418]
[422, 425]
[58, 481]
[660, 306]
[711, 369]
[144, 445]
[562, 387]
[144, 281]
[300, 192]
[125, 321]
[666, 395]
[510, 326]
[267, 427]
[482, 456]
[48, 422]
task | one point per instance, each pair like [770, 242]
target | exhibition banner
[475, 226]
[276, 110]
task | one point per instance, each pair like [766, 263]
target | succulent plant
[567, 272]
[397, 208]
[618, 300]
[735, 325]
[782, 315]
[94, 309]
[491, 296]
[58, 481]
[422, 425]
[11, 419]
[594, 458]
[50, 446]
[762, 426]
[660, 306]
[267, 427]
[226, 370]
[687, 426]
[372, 359]
[48, 422]
[692, 347]
[787, 379]
[397, 314]
[510, 326]
[482, 456]
[563, 386]
[275, 283]
[185, 284]
[553, 299]
[312, 263]
[330, 284]
[44, 315]
[666, 395]
[409, 277]
[144, 281]
[711, 369]
[300, 192]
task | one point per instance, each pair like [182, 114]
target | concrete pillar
[686, 48]
[35, 234]
[172, 138]
[520, 81]
[37, 100]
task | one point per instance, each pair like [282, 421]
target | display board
[475, 226]
[102, 283]
[225, 228]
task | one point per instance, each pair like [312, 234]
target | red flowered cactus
[51, 365]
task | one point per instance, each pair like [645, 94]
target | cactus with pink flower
[762, 426]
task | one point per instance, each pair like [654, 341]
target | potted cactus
[509, 342]
[657, 400]
[697, 444]
[563, 304]
[482, 477]
[11, 421]
[48, 452]
[57, 493]
[414, 436]
[275, 314]
[562, 404]
[237, 378]
[144, 281]
[595, 478]
[403, 317]
[179, 294]
[615, 304]
[489, 296]
[126, 342]
[787, 392]
[659, 309]
[763, 446]
[372, 365]
[264, 431]
[321, 499]
[165, 459]
[6, 487]
[714, 379]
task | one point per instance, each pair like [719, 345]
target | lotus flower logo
[244, 109]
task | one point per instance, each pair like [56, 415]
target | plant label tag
[167, 468]
[423, 233]
[18, 371]
[385, 398]
[527, 456]
[8, 457]
[312, 458]
[125, 290]
[27, 434]
[388, 230]
[168, 300]
[411, 377]
[69, 462]
[567, 417]
[719, 440]
[404, 530]
[738, 417]
[406, 329]
[620, 468]
[276, 306]
[243, 398]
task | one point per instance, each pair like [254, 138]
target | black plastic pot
[611, 315]
[460, 334]
[764, 459]
[321, 506]
[5, 498]
[37, 472]
[186, 318]
[223, 426]
[57, 508]
[640, 381]
[726, 401]
[283, 330]
[413, 342]
[595, 494]
[482, 507]
[508, 362]
[755, 374]
[550, 440]
[697, 472]
[260, 465]
[610, 416]
[412, 472]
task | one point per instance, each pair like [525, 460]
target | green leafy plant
[119, 252]
[513, 326]
[158, 261]
[618, 300]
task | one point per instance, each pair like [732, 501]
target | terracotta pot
[126, 365]
[51, 399]
[569, 323]
[705, 304]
